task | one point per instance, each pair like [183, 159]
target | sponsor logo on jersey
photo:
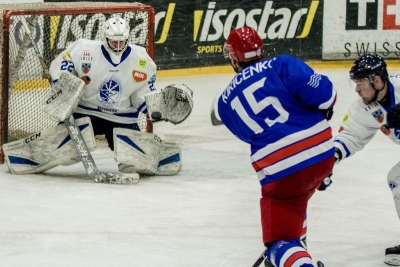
[86, 56]
[67, 56]
[142, 63]
[110, 91]
[86, 67]
[107, 109]
[139, 76]
[345, 118]
[341, 129]
[86, 79]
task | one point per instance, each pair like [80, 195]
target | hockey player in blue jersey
[281, 108]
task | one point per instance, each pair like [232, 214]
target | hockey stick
[260, 259]
[76, 136]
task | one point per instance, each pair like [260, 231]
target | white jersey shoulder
[112, 91]
[363, 121]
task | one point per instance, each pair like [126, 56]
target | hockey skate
[267, 263]
[392, 256]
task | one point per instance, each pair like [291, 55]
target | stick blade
[116, 178]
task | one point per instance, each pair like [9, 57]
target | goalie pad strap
[146, 153]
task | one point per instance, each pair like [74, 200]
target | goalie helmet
[243, 45]
[367, 66]
[117, 30]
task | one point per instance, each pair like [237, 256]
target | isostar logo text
[271, 23]
[214, 24]
[138, 76]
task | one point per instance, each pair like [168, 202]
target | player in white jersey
[117, 76]
[366, 116]
[118, 85]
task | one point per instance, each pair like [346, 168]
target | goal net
[23, 83]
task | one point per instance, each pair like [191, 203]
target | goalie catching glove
[174, 103]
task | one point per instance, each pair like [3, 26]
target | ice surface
[208, 215]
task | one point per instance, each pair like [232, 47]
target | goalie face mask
[115, 35]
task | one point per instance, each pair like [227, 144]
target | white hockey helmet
[115, 29]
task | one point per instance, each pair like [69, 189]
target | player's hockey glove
[325, 183]
[327, 113]
[393, 117]
[338, 155]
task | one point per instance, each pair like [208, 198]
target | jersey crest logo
[142, 63]
[138, 76]
[110, 91]
[378, 115]
[86, 67]
[86, 79]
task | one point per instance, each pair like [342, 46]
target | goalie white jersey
[362, 122]
[113, 92]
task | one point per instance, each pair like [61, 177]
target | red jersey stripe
[292, 149]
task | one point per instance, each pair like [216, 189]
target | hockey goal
[23, 86]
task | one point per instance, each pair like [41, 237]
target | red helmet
[243, 44]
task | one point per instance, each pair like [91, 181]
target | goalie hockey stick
[76, 136]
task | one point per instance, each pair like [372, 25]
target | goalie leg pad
[146, 153]
[393, 179]
[47, 149]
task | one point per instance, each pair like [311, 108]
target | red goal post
[23, 84]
